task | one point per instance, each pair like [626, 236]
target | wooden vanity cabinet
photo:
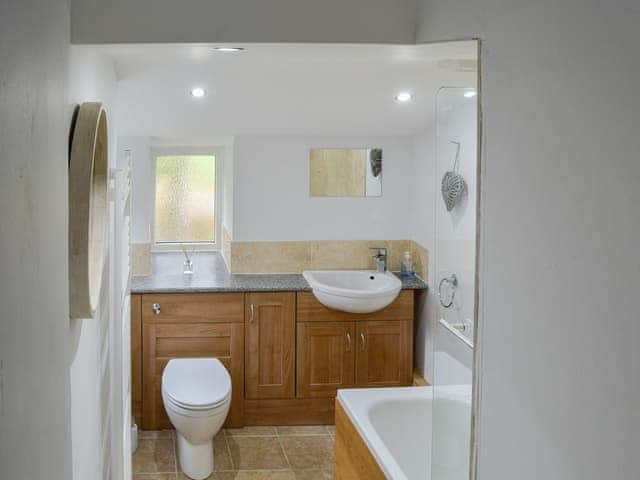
[287, 353]
[270, 344]
[340, 350]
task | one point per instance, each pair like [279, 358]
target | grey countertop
[211, 275]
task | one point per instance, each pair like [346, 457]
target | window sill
[190, 247]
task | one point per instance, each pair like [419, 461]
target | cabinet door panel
[270, 345]
[384, 354]
[163, 342]
[325, 358]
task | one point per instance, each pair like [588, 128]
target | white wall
[559, 327]
[142, 21]
[272, 199]
[92, 78]
[35, 436]
[228, 186]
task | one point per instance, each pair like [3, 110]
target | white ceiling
[282, 89]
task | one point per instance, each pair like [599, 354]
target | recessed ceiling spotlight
[198, 92]
[470, 93]
[404, 97]
[228, 49]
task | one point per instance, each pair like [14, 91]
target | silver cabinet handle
[362, 341]
[251, 314]
[156, 308]
[348, 342]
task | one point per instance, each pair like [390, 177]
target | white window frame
[218, 152]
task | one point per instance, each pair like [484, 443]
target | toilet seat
[188, 411]
[196, 385]
[177, 403]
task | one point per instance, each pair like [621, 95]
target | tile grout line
[174, 439]
[286, 457]
[226, 442]
[260, 470]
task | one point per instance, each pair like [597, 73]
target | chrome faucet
[380, 258]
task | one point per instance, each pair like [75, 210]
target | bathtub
[396, 424]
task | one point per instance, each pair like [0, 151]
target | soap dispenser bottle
[407, 270]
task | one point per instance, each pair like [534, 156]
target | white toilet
[196, 393]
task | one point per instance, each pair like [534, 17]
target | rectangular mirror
[345, 172]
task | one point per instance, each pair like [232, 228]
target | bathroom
[339, 239]
[246, 172]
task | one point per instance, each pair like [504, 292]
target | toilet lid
[196, 382]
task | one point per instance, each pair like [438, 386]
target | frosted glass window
[185, 199]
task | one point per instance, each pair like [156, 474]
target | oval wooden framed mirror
[88, 208]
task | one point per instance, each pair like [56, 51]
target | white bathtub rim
[357, 410]
[455, 392]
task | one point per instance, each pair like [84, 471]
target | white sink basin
[354, 291]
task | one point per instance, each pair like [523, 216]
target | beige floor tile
[331, 429]
[249, 475]
[314, 474]
[156, 434]
[308, 451]
[213, 476]
[254, 431]
[257, 453]
[154, 476]
[302, 430]
[221, 457]
[154, 456]
[265, 475]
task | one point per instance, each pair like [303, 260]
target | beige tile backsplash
[420, 256]
[270, 257]
[295, 257]
[226, 247]
[141, 259]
